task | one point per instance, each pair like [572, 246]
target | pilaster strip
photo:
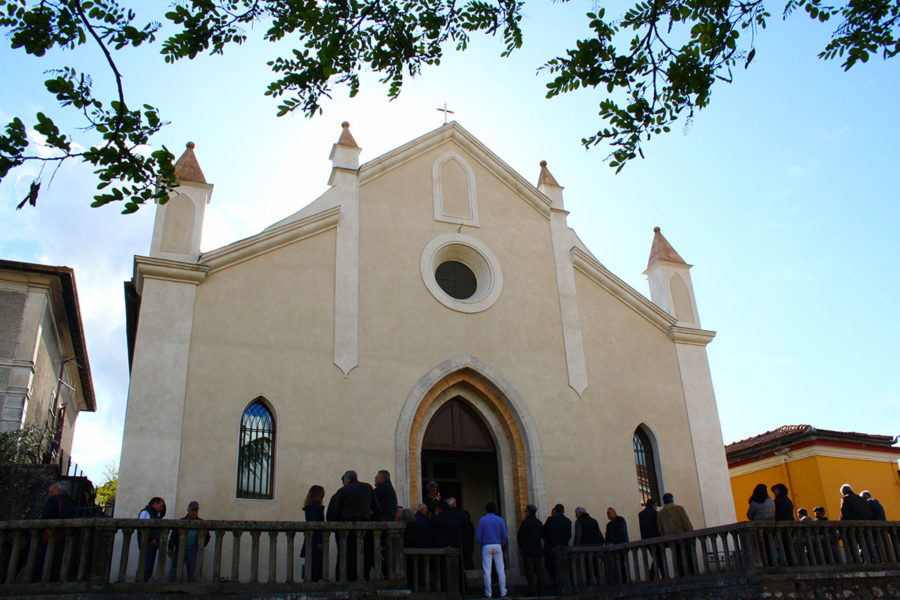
[346, 284]
[568, 302]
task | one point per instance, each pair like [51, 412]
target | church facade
[431, 314]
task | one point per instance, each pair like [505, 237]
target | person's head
[491, 508]
[422, 508]
[651, 504]
[668, 498]
[399, 513]
[819, 511]
[559, 509]
[431, 488]
[407, 516]
[802, 512]
[193, 509]
[382, 476]
[866, 494]
[779, 489]
[451, 502]
[348, 477]
[157, 503]
[846, 489]
[314, 496]
[531, 509]
[760, 493]
[611, 513]
[579, 510]
[56, 489]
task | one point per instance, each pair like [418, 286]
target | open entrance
[458, 453]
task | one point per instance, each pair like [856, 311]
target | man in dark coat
[616, 533]
[587, 530]
[386, 496]
[784, 508]
[446, 528]
[649, 525]
[877, 509]
[355, 501]
[424, 523]
[648, 521]
[557, 531]
[57, 506]
[616, 528]
[853, 508]
[529, 537]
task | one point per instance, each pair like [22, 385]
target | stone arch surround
[503, 410]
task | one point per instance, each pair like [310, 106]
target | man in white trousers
[492, 536]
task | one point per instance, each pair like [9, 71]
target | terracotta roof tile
[545, 177]
[786, 436]
[346, 138]
[187, 168]
[662, 250]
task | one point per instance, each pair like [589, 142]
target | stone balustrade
[739, 550]
[102, 556]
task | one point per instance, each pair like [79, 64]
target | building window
[256, 454]
[456, 279]
[645, 462]
[461, 272]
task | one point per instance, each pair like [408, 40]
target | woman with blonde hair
[314, 511]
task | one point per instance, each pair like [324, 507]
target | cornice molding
[146, 267]
[270, 239]
[453, 131]
[810, 451]
[690, 335]
[595, 271]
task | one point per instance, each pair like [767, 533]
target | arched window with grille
[256, 452]
[645, 461]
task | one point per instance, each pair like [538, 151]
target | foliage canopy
[653, 66]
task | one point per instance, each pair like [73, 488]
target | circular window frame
[475, 255]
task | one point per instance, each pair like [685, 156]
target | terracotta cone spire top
[187, 168]
[662, 250]
[546, 178]
[346, 138]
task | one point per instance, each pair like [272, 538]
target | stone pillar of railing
[452, 558]
[561, 558]
[396, 563]
[102, 552]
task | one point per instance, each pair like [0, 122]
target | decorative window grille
[645, 462]
[256, 453]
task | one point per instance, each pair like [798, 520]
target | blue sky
[782, 193]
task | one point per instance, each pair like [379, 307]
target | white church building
[431, 314]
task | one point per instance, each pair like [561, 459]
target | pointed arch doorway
[518, 458]
[458, 452]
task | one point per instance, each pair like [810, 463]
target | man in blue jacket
[492, 536]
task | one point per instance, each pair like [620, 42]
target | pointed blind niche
[455, 190]
[456, 427]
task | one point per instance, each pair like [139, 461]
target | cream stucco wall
[263, 324]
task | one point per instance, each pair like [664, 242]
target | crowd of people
[854, 507]
[438, 522]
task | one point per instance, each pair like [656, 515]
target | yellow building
[813, 464]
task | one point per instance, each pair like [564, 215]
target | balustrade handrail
[112, 523]
[744, 548]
